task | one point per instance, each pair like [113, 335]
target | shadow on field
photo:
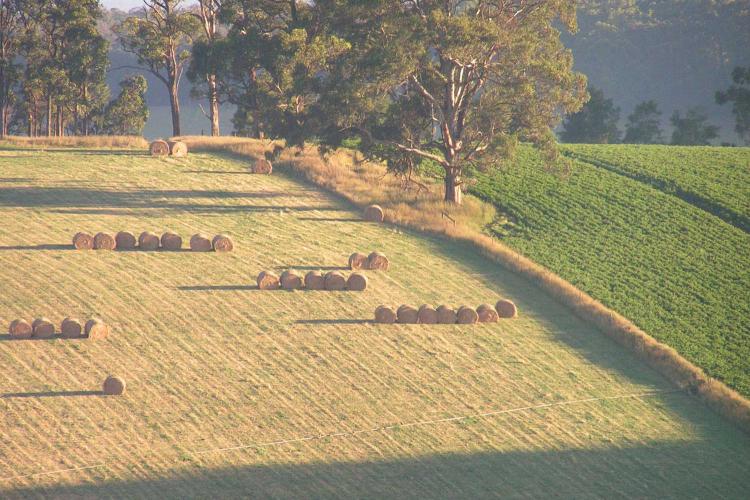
[336, 321]
[49, 394]
[208, 288]
[664, 470]
[38, 247]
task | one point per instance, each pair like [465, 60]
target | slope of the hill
[617, 228]
[233, 391]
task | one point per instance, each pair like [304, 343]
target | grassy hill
[657, 233]
[232, 390]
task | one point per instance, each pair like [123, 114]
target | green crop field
[234, 391]
[655, 233]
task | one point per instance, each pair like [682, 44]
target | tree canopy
[739, 95]
[595, 123]
[693, 128]
[644, 125]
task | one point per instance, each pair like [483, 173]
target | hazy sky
[123, 4]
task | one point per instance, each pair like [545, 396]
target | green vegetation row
[677, 271]
[714, 179]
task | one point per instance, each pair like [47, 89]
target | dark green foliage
[676, 270]
[595, 123]
[128, 113]
[643, 125]
[739, 95]
[692, 129]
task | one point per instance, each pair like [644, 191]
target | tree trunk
[174, 102]
[49, 115]
[213, 99]
[453, 193]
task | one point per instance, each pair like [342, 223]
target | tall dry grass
[364, 183]
[74, 141]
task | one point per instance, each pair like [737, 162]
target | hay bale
[406, 314]
[178, 149]
[446, 315]
[486, 314]
[83, 241]
[20, 329]
[290, 280]
[357, 282]
[42, 328]
[377, 261]
[148, 241]
[104, 241]
[427, 315]
[384, 314]
[71, 328]
[159, 148]
[268, 281]
[262, 166]
[96, 329]
[222, 243]
[335, 281]
[200, 243]
[171, 241]
[315, 281]
[466, 316]
[113, 386]
[506, 309]
[358, 261]
[374, 213]
[125, 240]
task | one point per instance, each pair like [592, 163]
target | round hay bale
[335, 281]
[377, 261]
[20, 329]
[83, 241]
[159, 148]
[315, 281]
[71, 328]
[42, 328]
[96, 329]
[262, 166]
[148, 241]
[290, 280]
[384, 314]
[268, 281]
[427, 315]
[200, 243]
[222, 243]
[446, 315]
[357, 282]
[125, 240]
[171, 241]
[104, 241]
[407, 314]
[506, 309]
[357, 261]
[466, 315]
[178, 149]
[374, 213]
[113, 386]
[486, 314]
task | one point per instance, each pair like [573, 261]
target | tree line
[449, 83]
[597, 122]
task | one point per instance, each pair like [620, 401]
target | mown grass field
[656, 233]
[319, 401]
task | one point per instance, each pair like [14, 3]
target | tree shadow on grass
[38, 247]
[699, 469]
[49, 394]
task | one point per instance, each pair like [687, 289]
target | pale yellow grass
[300, 381]
[77, 141]
[365, 183]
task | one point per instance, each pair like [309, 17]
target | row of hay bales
[429, 315]
[70, 328]
[375, 261]
[313, 280]
[164, 148]
[149, 241]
